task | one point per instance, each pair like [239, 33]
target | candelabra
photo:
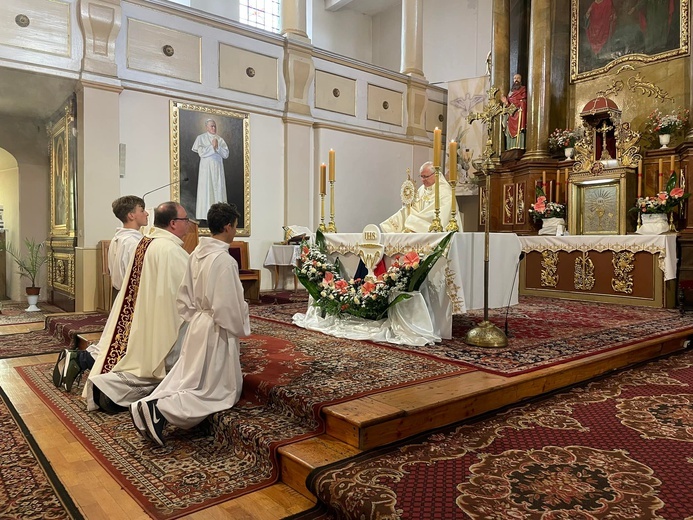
[322, 227]
[331, 226]
[672, 227]
[436, 226]
[452, 225]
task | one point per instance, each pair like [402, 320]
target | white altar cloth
[463, 270]
[454, 285]
[662, 245]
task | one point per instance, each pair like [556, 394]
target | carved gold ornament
[624, 263]
[584, 272]
[549, 268]
[407, 192]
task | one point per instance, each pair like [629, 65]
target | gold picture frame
[188, 123]
[604, 35]
[62, 168]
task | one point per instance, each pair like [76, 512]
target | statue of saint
[516, 124]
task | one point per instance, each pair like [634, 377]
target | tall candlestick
[322, 179]
[453, 161]
[660, 173]
[436, 146]
[566, 186]
[331, 161]
[640, 178]
[558, 185]
[543, 182]
[550, 191]
[671, 164]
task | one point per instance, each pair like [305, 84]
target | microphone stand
[512, 285]
[162, 187]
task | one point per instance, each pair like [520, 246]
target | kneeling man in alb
[207, 377]
[417, 217]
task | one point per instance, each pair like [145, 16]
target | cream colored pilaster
[539, 81]
[299, 72]
[417, 97]
[412, 38]
[98, 181]
[299, 176]
[294, 20]
[500, 59]
[100, 21]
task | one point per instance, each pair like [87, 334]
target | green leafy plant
[30, 264]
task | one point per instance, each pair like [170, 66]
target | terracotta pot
[33, 291]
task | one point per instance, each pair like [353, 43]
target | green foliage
[30, 264]
[427, 264]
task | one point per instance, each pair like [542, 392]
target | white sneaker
[138, 422]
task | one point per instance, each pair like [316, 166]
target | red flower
[328, 277]
[411, 259]
[677, 193]
[367, 287]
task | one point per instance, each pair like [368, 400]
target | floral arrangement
[664, 202]
[659, 123]
[368, 299]
[561, 139]
[542, 209]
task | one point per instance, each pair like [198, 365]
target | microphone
[162, 187]
[507, 308]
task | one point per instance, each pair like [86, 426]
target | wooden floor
[351, 427]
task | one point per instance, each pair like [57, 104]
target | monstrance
[486, 334]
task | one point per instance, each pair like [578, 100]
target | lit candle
[640, 178]
[322, 179]
[566, 184]
[453, 161]
[671, 168]
[550, 190]
[543, 182]
[659, 186]
[558, 185]
[331, 161]
[436, 147]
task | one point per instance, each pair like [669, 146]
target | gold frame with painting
[189, 121]
[624, 36]
[598, 205]
[62, 180]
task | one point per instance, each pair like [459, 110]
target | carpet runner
[291, 374]
[58, 333]
[14, 313]
[29, 488]
[542, 332]
[617, 448]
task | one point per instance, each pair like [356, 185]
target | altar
[461, 273]
[627, 269]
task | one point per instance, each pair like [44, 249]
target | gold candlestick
[436, 225]
[452, 225]
[672, 227]
[322, 227]
[331, 226]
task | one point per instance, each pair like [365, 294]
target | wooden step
[84, 339]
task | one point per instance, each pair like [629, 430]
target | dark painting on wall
[210, 161]
[605, 33]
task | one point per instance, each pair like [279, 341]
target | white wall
[344, 32]
[387, 37]
[457, 39]
[9, 199]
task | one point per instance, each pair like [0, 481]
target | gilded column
[539, 81]
[293, 20]
[412, 38]
[500, 59]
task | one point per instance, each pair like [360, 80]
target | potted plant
[666, 125]
[563, 141]
[29, 266]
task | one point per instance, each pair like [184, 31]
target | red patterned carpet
[291, 374]
[29, 488]
[542, 332]
[617, 448]
[59, 332]
[14, 313]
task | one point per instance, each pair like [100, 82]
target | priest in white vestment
[207, 377]
[137, 345]
[418, 217]
[211, 182]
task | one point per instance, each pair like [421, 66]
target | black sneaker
[106, 404]
[153, 420]
[59, 369]
[72, 369]
[138, 421]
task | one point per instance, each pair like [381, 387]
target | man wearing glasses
[418, 216]
[139, 343]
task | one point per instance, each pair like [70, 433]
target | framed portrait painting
[62, 168]
[605, 33]
[210, 161]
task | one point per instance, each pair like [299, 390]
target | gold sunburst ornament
[408, 191]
